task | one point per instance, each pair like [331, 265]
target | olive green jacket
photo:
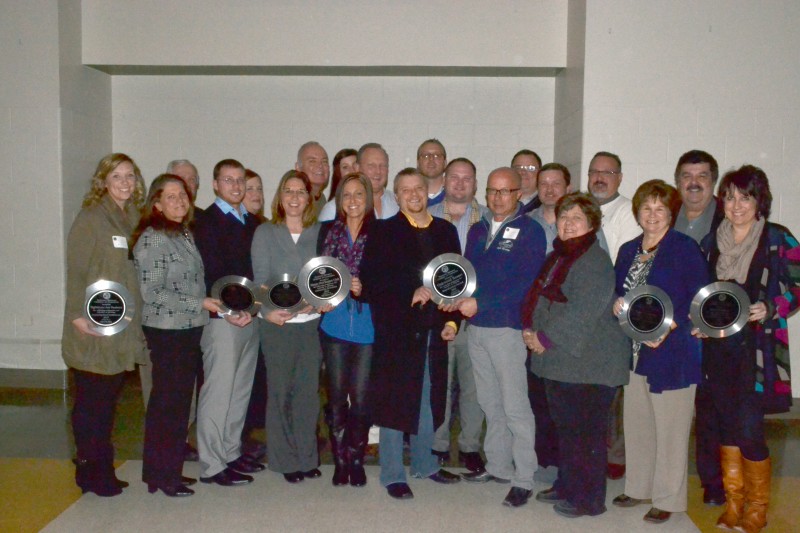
[92, 256]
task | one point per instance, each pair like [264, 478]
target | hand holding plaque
[108, 307]
[324, 281]
[646, 314]
[449, 277]
[720, 309]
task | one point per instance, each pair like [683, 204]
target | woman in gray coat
[580, 352]
[290, 340]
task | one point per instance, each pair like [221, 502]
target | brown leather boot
[733, 482]
[757, 477]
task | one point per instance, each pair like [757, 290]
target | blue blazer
[680, 270]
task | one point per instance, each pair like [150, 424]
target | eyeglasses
[232, 181]
[604, 173]
[295, 192]
[502, 192]
[527, 168]
[435, 157]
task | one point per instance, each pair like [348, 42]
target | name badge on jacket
[511, 233]
[120, 241]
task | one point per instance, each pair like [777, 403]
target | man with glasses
[313, 160]
[528, 163]
[431, 160]
[223, 234]
[507, 250]
[619, 226]
[462, 210]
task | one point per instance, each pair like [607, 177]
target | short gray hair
[178, 162]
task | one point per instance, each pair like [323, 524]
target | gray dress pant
[293, 357]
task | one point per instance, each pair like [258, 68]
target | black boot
[93, 476]
[341, 475]
[357, 443]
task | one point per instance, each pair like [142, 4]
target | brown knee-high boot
[757, 477]
[733, 482]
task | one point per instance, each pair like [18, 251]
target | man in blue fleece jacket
[507, 250]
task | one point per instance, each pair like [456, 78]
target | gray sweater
[588, 344]
[274, 253]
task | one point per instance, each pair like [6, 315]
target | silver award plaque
[109, 307]
[324, 280]
[720, 309]
[449, 277]
[282, 292]
[646, 313]
[237, 293]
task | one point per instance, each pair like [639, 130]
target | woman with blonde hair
[98, 249]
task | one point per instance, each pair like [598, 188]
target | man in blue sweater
[507, 250]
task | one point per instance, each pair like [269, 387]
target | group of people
[536, 352]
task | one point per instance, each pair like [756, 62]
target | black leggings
[348, 366]
[93, 414]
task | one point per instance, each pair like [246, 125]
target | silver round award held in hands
[647, 313]
[237, 293]
[449, 277]
[282, 292]
[324, 280]
[720, 309]
[108, 306]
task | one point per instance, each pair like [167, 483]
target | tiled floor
[36, 444]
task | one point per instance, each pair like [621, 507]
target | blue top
[680, 270]
[506, 265]
[351, 320]
[226, 208]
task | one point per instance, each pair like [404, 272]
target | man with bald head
[312, 159]
[507, 249]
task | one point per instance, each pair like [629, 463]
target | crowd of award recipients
[385, 345]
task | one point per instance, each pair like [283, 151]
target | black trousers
[174, 355]
[546, 440]
[707, 438]
[580, 413]
[348, 366]
[96, 398]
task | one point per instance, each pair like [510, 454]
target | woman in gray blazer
[289, 340]
[171, 279]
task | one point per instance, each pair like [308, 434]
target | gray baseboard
[23, 378]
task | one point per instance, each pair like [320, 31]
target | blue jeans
[423, 462]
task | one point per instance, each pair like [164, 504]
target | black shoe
[657, 516]
[254, 450]
[228, 478]
[517, 496]
[472, 461]
[714, 496]
[567, 510]
[442, 457]
[312, 474]
[549, 496]
[293, 477]
[178, 490]
[400, 491]
[188, 481]
[245, 465]
[623, 500]
[357, 475]
[445, 477]
[482, 477]
[190, 452]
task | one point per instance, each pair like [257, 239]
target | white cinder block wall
[262, 120]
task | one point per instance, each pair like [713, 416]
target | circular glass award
[720, 309]
[109, 307]
[324, 280]
[646, 313]
[237, 294]
[282, 292]
[449, 277]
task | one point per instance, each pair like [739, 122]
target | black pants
[730, 375]
[174, 355]
[546, 440]
[96, 398]
[707, 439]
[580, 413]
[348, 366]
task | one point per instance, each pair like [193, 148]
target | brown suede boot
[733, 482]
[757, 477]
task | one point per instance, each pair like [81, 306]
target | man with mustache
[695, 176]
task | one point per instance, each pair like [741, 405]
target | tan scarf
[474, 214]
[734, 259]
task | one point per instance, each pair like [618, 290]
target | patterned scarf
[554, 273]
[734, 259]
[337, 244]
